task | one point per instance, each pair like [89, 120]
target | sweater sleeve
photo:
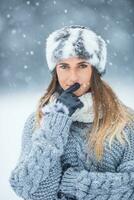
[38, 170]
[86, 185]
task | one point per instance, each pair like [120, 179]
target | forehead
[72, 60]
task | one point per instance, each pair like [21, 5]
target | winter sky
[24, 26]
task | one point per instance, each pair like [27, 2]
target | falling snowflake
[14, 31]
[28, 2]
[38, 42]
[117, 22]
[65, 11]
[108, 41]
[71, 21]
[25, 66]
[8, 16]
[24, 35]
[27, 53]
[37, 3]
[42, 26]
[32, 52]
[115, 54]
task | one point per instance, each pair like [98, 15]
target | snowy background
[24, 26]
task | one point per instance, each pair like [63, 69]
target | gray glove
[70, 100]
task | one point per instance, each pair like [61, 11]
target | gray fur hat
[76, 40]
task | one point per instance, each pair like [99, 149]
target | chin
[79, 93]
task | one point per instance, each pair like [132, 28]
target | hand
[70, 100]
[74, 183]
[67, 186]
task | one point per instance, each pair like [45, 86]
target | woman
[79, 144]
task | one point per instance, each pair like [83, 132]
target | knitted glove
[70, 100]
[74, 183]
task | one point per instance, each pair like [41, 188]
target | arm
[38, 171]
[86, 185]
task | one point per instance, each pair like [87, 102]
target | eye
[63, 66]
[83, 66]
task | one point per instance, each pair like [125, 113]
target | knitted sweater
[60, 143]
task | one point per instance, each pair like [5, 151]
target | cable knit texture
[38, 170]
[55, 158]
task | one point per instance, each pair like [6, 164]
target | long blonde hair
[115, 113]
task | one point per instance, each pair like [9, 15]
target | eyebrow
[77, 63]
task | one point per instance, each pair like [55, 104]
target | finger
[74, 87]
[81, 104]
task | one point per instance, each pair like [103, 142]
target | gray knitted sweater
[60, 142]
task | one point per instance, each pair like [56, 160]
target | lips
[71, 85]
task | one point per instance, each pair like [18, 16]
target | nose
[73, 77]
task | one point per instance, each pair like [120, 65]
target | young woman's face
[72, 70]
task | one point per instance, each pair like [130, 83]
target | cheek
[86, 77]
[60, 73]
[85, 81]
[62, 79]
[61, 76]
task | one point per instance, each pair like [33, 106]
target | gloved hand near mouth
[70, 100]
